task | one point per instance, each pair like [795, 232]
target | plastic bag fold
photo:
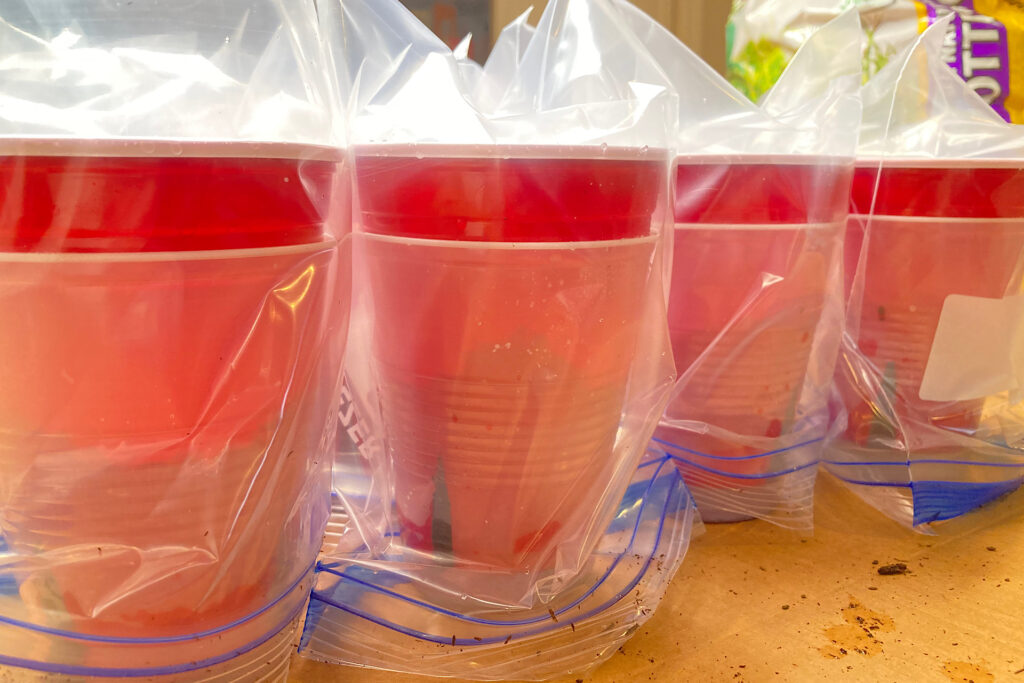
[928, 401]
[174, 214]
[508, 357]
[755, 308]
[81, 70]
[415, 628]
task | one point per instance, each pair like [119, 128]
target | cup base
[257, 648]
[710, 514]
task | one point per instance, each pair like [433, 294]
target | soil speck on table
[966, 672]
[859, 635]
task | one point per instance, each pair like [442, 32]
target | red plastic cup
[506, 292]
[166, 369]
[936, 229]
[755, 243]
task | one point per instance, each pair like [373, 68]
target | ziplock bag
[984, 41]
[508, 356]
[172, 312]
[364, 613]
[755, 308]
[503, 62]
[931, 421]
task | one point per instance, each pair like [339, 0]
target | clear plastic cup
[506, 301]
[165, 388]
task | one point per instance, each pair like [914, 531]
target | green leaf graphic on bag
[875, 55]
[757, 68]
[984, 44]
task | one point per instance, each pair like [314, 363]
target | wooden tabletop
[753, 602]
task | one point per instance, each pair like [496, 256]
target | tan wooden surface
[757, 603]
[754, 602]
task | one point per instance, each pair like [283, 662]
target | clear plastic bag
[503, 62]
[363, 613]
[173, 307]
[929, 416]
[755, 309]
[508, 357]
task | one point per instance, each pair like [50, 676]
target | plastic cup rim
[579, 152]
[932, 220]
[513, 246]
[170, 147]
[761, 226]
[939, 163]
[740, 159]
[162, 256]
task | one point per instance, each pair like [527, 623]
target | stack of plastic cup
[756, 244]
[167, 375]
[964, 235]
[937, 229]
[507, 287]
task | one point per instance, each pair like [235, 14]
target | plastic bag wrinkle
[174, 239]
[508, 356]
[932, 194]
[755, 306]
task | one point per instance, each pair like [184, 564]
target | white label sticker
[978, 349]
